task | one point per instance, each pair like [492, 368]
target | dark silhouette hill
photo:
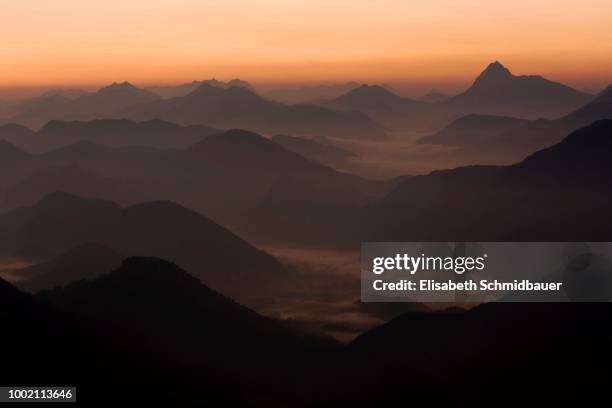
[116, 133]
[372, 97]
[94, 105]
[496, 91]
[391, 110]
[147, 325]
[60, 222]
[238, 107]
[222, 176]
[492, 345]
[316, 150]
[179, 313]
[557, 194]
[13, 133]
[241, 168]
[69, 179]
[86, 261]
[474, 130]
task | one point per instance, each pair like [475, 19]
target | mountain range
[61, 222]
[239, 107]
[148, 324]
[173, 91]
[496, 91]
[506, 135]
[106, 132]
[557, 194]
[103, 103]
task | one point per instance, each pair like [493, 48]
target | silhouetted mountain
[310, 93]
[95, 105]
[391, 110]
[477, 131]
[173, 91]
[492, 345]
[14, 133]
[510, 137]
[150, 325]
[223, 176]
[179, 313]
[86, 261]
[434, 96]
[239, 107]
[60, 222]
[117, 133]
[324, 153]
[69, 179]
[557, 194]
[371, 97]
[497, 92]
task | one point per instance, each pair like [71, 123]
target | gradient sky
[86, 42]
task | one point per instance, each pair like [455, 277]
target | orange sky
[87, 42]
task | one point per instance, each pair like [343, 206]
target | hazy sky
[63, 42]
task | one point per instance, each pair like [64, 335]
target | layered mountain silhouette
[497, 91]
[85, 261]
[175, 308]
[13, 133]
[239, 107]
[108, 132]
[320, 150]
[103, 103]
[557, 194]
[69, 179]
[389, 109]
[60, 222]
[148, 323]
[222, 176]
[504, 135]
[310, 93]
[478, 131]
[491, 345]
[173, 91]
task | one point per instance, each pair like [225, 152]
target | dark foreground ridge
[149, 331]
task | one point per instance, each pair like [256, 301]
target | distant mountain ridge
[60, 222]
[503, 135]
[560, 193]
[496, 91]
[173, 91]
[108, 132]
[238, 107]
[226, 176]
[103, 103]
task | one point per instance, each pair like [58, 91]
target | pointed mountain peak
[494, 72]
